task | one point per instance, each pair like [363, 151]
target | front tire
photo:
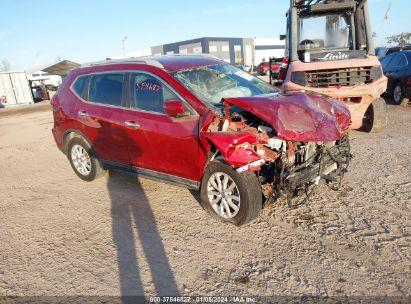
[230, 196]
[82, 160]
[375, 118]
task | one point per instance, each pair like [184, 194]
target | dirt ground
[124, 236]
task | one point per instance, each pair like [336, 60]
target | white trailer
[14, 89]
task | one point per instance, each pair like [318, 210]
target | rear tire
[375, 118]
[244, 186]
[82, 160]
[398, 94]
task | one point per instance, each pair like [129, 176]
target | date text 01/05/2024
[201, 299]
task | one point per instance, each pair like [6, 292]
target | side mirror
[282, 37]
[173, 108]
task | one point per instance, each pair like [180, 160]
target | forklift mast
[360, 21]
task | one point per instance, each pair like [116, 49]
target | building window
[238, 59]
[197, 50]
[213, 49]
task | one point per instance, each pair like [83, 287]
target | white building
[246, 51]
[131, 54]
[266, 48]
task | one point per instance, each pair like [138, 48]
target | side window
[148, 93]
[80, 85]
[385, 62]
[395, 61]
[403, 61]
[106, 89]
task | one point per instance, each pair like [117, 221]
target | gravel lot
[124, 236]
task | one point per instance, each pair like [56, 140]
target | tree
[400, 39]
[4, 65]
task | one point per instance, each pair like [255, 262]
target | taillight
[409, 82]
[54, 102]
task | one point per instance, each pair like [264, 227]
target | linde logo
[335, 56]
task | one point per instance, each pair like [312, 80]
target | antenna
[388, 11]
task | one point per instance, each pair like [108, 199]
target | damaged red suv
[198, 122]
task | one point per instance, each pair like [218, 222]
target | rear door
[101, 113]
[159, 142]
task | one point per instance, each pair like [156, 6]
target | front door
[160, 142]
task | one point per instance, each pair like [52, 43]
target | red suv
[198, 122]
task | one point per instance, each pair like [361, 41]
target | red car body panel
[298, 116]
[228, 142]
[166, 144]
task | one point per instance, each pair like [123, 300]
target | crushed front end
[303, 165]
[289, 160]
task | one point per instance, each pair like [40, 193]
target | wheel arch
[70, 134]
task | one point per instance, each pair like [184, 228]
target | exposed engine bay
[284, 167]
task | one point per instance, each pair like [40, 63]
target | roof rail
[182, 55]
[149, 60]
[141, 60]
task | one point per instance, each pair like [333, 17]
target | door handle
[82, 114]
[132, 124]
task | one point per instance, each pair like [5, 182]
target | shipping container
[14, 89]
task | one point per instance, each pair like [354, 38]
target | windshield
[212, 83]
[331, 31]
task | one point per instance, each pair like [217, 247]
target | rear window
[399, 61]
[106, 89]
[79, 85]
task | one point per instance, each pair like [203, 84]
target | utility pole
[124, 45]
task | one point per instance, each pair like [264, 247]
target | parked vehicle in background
[381, 51]
[397, 49]
[198, 122]
[330, 51]
[263, 68]
[397, 67]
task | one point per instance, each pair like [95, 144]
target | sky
[36, 33]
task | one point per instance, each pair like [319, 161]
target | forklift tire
[375, 118]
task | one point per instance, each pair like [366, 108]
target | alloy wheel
[223, 195]
[81, 160]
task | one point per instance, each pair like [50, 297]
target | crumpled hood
[298, 116]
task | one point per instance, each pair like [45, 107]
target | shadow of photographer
[130, 210]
